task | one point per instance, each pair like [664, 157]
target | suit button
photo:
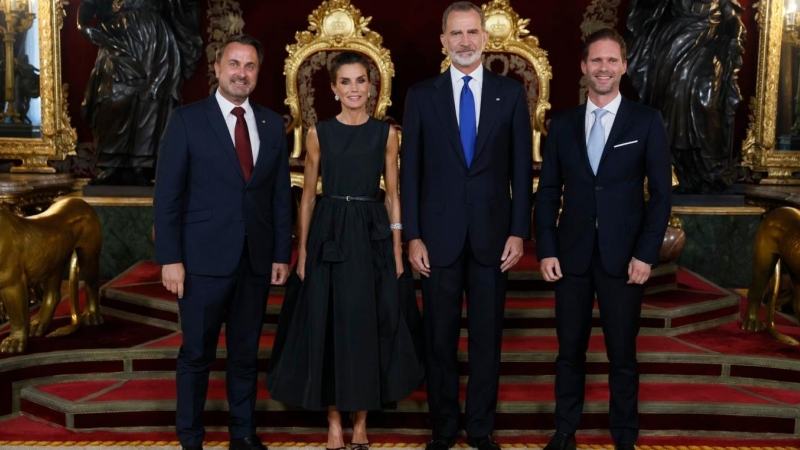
[598, 188]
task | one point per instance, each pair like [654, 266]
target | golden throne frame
[334, 26]
[509, 41]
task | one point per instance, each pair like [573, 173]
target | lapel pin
[263, 121]
[497, 99]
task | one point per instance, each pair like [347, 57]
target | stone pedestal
[27, 194]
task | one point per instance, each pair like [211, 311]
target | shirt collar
[227, 106]
[612, 107]
[457, 75]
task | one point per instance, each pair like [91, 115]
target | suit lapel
[580, 133]
[491, 104]
[261, 126]
[446, 110]
[620, 123]
[217, 121]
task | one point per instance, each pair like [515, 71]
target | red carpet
[705, 382]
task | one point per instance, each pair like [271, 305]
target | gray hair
[462, 7]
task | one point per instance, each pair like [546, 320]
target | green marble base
[720, 247]
[719, 244]
[127, 232]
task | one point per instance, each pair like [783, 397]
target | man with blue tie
[467, 144]
[606, 238]
[223, 227]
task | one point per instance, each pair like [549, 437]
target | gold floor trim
[719, 210]
[287, 445]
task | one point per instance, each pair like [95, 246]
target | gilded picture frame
[759, 150]
[58, 138]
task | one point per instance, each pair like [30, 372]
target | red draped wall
[411, 30]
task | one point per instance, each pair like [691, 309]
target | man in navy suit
[466, 147]
[223, 234]
[606, 239]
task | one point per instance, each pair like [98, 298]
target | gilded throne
[511, 52]
[335, 26]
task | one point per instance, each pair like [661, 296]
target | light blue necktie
[597, 139]
[466, 122]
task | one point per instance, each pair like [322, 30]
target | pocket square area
[626, 143]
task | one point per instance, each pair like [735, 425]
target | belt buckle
[347, 197]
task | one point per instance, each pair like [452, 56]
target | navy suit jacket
[610, 204]
[203, 207]
[442, 199]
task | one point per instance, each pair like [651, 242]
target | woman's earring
[369, 94]
[336, 97]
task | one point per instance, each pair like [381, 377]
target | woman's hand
[301, 264]
[398, 259]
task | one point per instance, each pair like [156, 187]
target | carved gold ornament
[758, 149]
[335, 25]
[58, 137]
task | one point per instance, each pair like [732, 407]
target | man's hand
[638, 271]
[279, 273]
[418, 255]
[512, 253]
[172, 276]
[550, 268]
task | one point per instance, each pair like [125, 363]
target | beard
[464, 60]
[236, 91]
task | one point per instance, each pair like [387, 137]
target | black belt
[352, 198]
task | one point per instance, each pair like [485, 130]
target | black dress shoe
[561, 441]
[483, 443]
[192, 447]
[625, 447]
[439, 443]
[247, 443]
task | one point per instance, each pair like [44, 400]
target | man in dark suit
[466, 146]
[596, 159]
[223, 233]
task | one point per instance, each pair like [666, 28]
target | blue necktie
[466, 122]
[597, 139]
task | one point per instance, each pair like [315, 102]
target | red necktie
[242, 142]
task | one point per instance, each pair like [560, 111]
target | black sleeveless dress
[349, 335]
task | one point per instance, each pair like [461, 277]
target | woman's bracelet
[396, 226]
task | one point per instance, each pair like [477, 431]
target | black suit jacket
[203, 207]
[443, 200]
[611, 203]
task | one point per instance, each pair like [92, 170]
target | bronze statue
[684, 58]
[34, 252]
[147, 49]
[777, 242]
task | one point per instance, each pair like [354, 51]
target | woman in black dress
[345, 339]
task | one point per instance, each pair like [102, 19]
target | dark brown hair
[346, 58]
[605, 34]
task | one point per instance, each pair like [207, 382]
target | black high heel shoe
[357, 445]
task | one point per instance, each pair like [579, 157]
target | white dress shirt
[249, 118]
[608, 119]
[475, 85]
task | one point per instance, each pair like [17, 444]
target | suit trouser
[240, 300]
[620, 307]
[443, 296]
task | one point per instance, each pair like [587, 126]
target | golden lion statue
[34, 252]
[777, 241]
